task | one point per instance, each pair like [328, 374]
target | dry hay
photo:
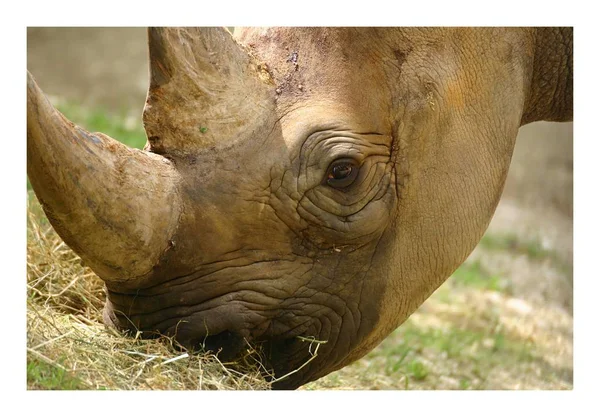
[66, 334]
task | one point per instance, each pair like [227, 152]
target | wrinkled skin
[258, 244]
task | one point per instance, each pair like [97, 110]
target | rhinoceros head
[297, 185]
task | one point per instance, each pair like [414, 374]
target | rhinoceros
[300, 188]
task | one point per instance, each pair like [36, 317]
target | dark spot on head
[156, 145]
[293, 57]
[400, 57]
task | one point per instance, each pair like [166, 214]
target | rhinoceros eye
[342, 173]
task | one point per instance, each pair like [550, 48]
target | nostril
[226, 344]
[217, 341]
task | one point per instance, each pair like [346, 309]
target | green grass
[475, 275]
[454, 342]
[475, 351]
[417, 370]
[116, 126]
[531, 248]
[41, 375]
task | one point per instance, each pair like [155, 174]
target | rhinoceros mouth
[283, 361]
[292, 361]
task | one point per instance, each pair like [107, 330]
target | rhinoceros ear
[204, 89]
[551, 90]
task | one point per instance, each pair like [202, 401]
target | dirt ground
[107, 68]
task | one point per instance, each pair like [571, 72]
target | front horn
[116, 207]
